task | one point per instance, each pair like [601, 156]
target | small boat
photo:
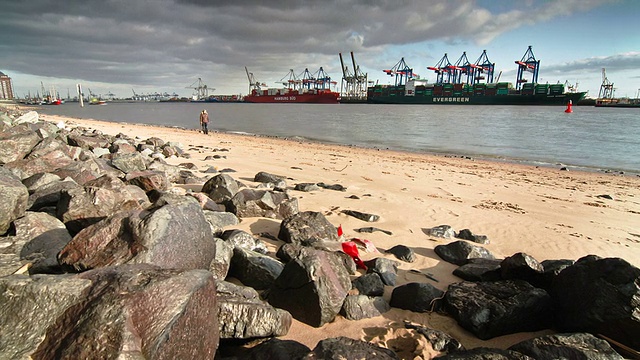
[97, 102]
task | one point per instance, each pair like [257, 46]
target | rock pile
[101, 256]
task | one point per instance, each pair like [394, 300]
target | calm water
[589, 137]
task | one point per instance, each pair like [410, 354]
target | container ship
[305, 88]
[466, 83]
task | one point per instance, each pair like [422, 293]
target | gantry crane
[291, 81]
[462, 68]
[253, 84]
[528, 63]
[402, 72]
[354, 85]
[443, 69]
[606, 88]
[483, 69]
[202, 90]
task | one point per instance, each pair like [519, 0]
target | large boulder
[347, 348]
[306, 228]
[14, 197]
[567, 346]
[460, 252]
[129, 162]
[418, 297]
[312, 287]
[490, 309]
[358, 307]
[48, 162]
[16, 143]
[254, 269]
[131, 311]
[262, 203]
[599, 296]
[221, 188]
[83, 171]
[242, 315]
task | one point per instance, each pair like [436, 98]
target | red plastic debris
[340, 230]
[351, 249]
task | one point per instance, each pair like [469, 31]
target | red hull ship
[303, 89]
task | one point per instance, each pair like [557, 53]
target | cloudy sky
[166, 45]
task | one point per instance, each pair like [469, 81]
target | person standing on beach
[204, 121]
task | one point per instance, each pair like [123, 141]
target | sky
[165, 46]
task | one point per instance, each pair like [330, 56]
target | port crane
[323, 80]
[292, 81]
[253, 84]
[202, 91]
[402, 72]
[483, 69]
[528, 63]
[606, 88]
[354, 85]
[443, 69]
[462, 68]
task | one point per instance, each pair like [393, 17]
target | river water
[590, 137]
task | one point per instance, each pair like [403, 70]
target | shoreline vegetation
[541, 211]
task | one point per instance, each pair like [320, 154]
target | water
[590, 137]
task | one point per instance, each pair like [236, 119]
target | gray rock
[466, 234]
[358, 307]
[347, 348]
[369, 284]
[361, 215]
[219, 220]
[262, 203]
[307, 228]
[221, 262]
[14, 201]
[16, 143]
[128, 162]
[312, 287]
[385, 268]
[242, 315]
[254, 269]
[306, 187]
[479, 270]
[490, 309]
[278, 181]
[148, 180]
[567, 346]
[441, 231]
[221, 188]
[242, 239]
[459, 252]
[38, 180]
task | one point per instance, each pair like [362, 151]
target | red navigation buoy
[569, 109]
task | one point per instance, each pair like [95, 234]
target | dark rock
[276, 349]
[403, 253]
[104, 313]
[349, 349]
[417, 297]
[306, 187]
[361, 216]
[460, 252]
[521, 266]
[254, 269]
[385, 268]
[278, 181]
[358, 307]
[242, 239]
[551, 269]
[490, 309]
[466, 234]
[479, 270]
[336, 187]
[483, 353]
[221, 188]
[262, 203]
[242, 315]
[439, 340]
[370, 229]
[307, 228]
[15, 197]
[567, 346]
[599, 296]
[369, 284]
[148, 180]
[175, 234]
[312, 287]
[441, 231]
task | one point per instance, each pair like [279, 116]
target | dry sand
[544, 212]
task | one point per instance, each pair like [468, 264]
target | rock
[129, 162]
[38, 180]
[242, 315]
[206, 203]
[171, 172]
[336, 187]
[466, 234]
[439, 340]
[278, 181]
[479, 270]
[362, 216]
[417, 297]
[369, 284]
[49, 194]
[254, 269]
[242, 239]
[262, 203]
[83, 171]
[16, 143]
[312, 287]
[49, 162]
[148, 180]
[109, 313]
[307, 228]
[87, 142]
[221, 262]
[551, 269]
[441, 231]
[403, 253]
[490, 309]
[566, 346]
[599, 296]
[385, 268]
[460, 252]
[358, 307]
[221, 188]
[219, 220]
[306, 187]
[175, 234]
[275, 349]
[484, 353]
[15, 197]
[521, 266]
[347, 348]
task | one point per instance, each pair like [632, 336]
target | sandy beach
[547, 213]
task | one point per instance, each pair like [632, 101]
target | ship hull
[320, 98]
[511, 99]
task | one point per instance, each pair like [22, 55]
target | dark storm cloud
[161, 42]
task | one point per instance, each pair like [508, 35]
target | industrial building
[6, 90]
